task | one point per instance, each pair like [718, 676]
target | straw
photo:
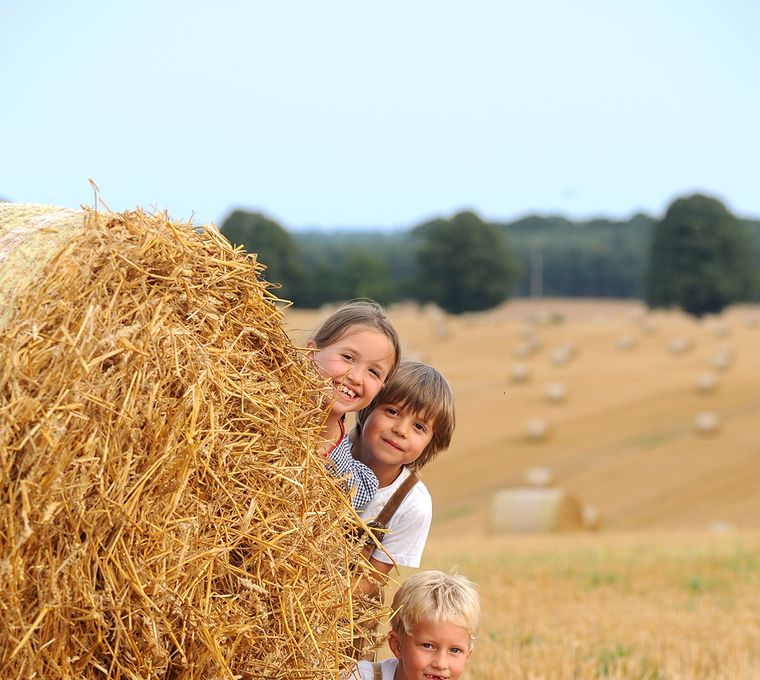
[163, 509]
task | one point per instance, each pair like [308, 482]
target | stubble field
[650, 420]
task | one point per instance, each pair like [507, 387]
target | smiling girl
[358, 349]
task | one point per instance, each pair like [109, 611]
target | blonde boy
[434, 625]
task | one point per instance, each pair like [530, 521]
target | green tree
[464, 264]
[274, 247]
[700, 258]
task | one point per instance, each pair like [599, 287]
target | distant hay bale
[563, 354]
[592, 519]
[534, 509]
[707, 383]
[707, 422]
[680, 345]
[539, 476]
[722, 358]
[537, 430]
[520, 372]
[626, 343]
[163, 510]
[721, 329]
[556, 392]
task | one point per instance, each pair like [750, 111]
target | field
[650, 421]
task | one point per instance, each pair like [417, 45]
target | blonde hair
[422, 389]
[361, 312]
[438, 597]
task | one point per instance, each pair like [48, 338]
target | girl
[358, 349]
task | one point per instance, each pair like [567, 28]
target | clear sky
[380, 114]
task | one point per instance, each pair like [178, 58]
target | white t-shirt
[365, 671]
[408, 528]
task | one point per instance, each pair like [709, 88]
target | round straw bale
[707, 382]
[556, 392]
[539, 476]
[722, 358]
[706, 422]
[163, 510]
[680, 345]
[534, 509]
[520, 372]
[537, 429]
[564, 353]
[626, 343]
[592, 519]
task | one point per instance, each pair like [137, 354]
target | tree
[274, 247]
[700, 258]
[464, 264]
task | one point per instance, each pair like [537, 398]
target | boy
[407, 424]
[435, 622]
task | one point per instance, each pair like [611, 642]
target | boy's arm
[362, 483]
[371, 583]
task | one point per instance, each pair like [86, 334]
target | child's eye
[348, 357]
[456, 650]
[427, 645]
[420, 427]
[391, 411]
[375, 372]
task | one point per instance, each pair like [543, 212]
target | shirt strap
[342, 434]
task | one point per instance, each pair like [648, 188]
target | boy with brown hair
[409, 422]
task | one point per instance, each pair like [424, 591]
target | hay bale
[722, 358]
[707, 383]
[680, 345]
[537, 430]
[626, 342]
[592, 519]
[534, 509]
[539, 476]
[520, 372]
[563, 354]
[707, 423]
[163, 510]
[556, 392]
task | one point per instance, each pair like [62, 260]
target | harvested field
[666, 588]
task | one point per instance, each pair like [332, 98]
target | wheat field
[656, 431]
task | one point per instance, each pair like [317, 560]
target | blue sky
[350, 113]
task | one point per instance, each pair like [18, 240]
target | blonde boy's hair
[361, 312]
[422, 389]
[438, 597]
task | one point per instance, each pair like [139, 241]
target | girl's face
[358, 363]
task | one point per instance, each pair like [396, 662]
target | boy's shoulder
[366, 670]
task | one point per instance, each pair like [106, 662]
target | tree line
[698, 257]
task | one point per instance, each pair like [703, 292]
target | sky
[355, 114]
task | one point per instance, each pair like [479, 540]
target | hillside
[623, 439]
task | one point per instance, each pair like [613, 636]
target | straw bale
[163, 509]
[535, 509]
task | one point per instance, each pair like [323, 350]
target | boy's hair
[359, 312]
[423, 390]
[438, 597]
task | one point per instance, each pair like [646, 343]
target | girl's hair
[423, 390]
[360, 312]
[439, 597]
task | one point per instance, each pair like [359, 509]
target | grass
[640, 606]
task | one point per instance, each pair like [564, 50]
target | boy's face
[392, 436]
[431, 651]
